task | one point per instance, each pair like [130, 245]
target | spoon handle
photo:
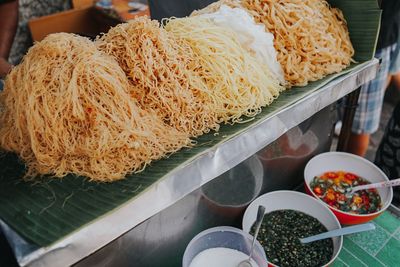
[339, 232]
[260, 216]
[395, 182]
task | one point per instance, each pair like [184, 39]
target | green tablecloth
[373, 248]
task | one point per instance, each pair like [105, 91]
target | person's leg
[396, 80]
[358, 144]
[367, 116]
[394, 68]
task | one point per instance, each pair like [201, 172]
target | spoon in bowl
[339, 232]
[351, 190]
[260, 216]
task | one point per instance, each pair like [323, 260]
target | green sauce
[279, 235]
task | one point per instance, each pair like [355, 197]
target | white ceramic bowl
[223, 237]
[340, 161]
[280, 200]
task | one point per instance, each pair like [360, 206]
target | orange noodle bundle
[156, 65]
[236, 82]
[67, 109]
[311, 37]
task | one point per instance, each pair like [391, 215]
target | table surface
[373, 248]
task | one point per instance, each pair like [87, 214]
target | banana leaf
[48, 210]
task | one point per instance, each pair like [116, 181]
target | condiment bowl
[223, 237]
[282, 200]
[340, 161]
[229, 194]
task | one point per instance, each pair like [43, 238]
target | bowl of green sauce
[290, 216]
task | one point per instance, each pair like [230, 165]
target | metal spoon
[339, 232]
[260, 216]
[351, 190]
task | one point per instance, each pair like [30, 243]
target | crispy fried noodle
[236, 83]
[67, 109]
[157, 67]
[108, 108]
[311, 38]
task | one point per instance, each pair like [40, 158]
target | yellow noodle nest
[311, 38]
[156, 65]
[66, 109]
[236, 83]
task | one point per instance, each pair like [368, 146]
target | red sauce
[332, 188]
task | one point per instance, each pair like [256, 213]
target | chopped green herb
[280, 233]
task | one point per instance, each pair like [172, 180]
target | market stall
[148, 218]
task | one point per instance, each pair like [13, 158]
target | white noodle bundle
[157, 67]
[66, 109]
[236, 82]
[252, 36]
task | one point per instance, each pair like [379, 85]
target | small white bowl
[281, 200]
[223, 237]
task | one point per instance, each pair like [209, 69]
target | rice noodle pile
[66, 109]
[251, 35]
[311, 38]
[236, 82]
[157, 67]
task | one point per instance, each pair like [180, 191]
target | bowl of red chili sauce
[329, 178]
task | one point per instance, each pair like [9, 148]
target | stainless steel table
[153, 228]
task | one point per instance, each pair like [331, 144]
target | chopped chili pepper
[357, 200]
[365, 199]
[347, 181]
[317, 190]
[331, 187]
[341, 197]
[331, 175]
[330, 203]
[330, 196]
[350, 176]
